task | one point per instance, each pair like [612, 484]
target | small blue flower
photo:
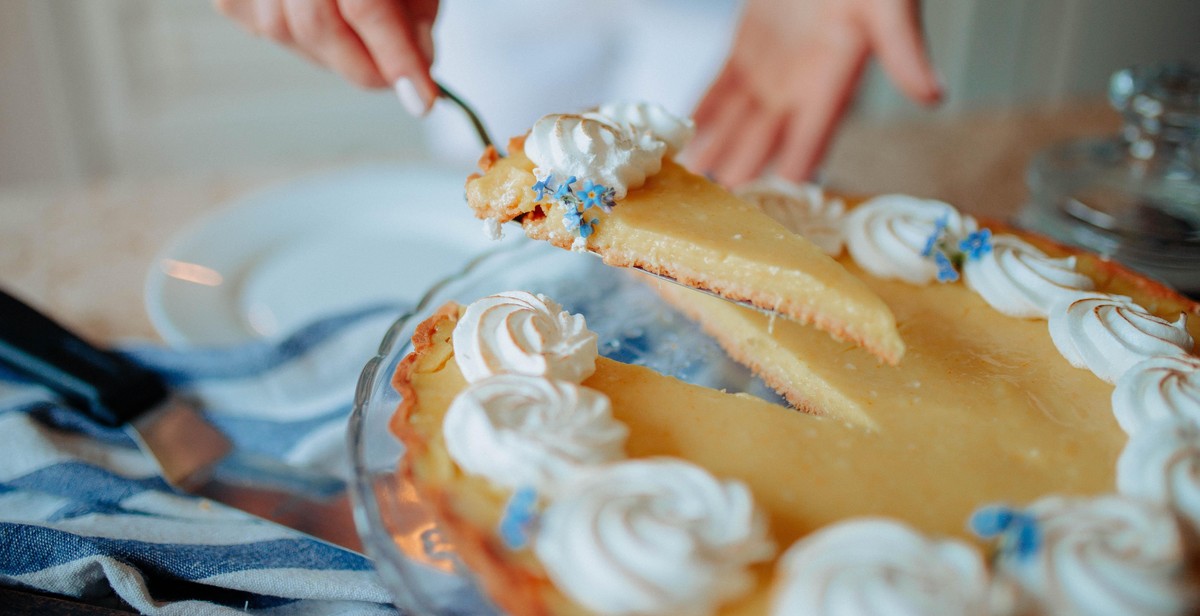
[977, 244]
[520, 514]
[991, 521]
[608, 200]
[572, 218]
[564, 191]
[946, 271]
[586, 227]
[930, 243]
[1018, 531]
[541, 187]
[592, 194]
[939, 227]
[1028, 538]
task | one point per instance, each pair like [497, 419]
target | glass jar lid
[1134, 197]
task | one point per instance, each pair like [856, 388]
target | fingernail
[407, 93]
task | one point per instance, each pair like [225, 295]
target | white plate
[276, 260]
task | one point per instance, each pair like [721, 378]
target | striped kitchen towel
[83, 513]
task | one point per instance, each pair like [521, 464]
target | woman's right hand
[372, 43]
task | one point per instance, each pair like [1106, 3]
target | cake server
[191, 453]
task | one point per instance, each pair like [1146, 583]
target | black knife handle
[105, 385]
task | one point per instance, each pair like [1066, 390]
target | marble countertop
[81, 253]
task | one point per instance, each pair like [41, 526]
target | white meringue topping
[802, 208]
[1161, 464]
[649, 118]
[1108, 334]
[1158, 388]
[1019, 280]
[879, 567]
[518, 430]
[1106, 555]
[521, 333]
[651, 536]
[590, 149]
[887, 235]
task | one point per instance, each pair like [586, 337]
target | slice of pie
[638, 209]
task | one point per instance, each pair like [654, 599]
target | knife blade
[191, 453]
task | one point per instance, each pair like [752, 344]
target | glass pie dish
[415, 562]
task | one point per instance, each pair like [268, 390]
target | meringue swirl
[1108, 334]
[1020, 281]
[1161, 464]
[649, 118]
[802, 208]
[874, 566]
[521, 333]
[651, 536]
[519, 430]
[887, 235]
[1158, 388]
[590, 149]
[1106, 555]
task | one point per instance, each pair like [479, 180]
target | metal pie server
[190, 452]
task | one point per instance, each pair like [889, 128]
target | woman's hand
[372, 43]
[791, 74]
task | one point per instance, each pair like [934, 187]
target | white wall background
[141, 87]
[1001, 52]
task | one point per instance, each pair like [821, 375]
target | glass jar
[1133, 197]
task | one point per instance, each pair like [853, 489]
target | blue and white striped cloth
[83, 513]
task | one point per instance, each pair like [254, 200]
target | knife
[170, 429]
